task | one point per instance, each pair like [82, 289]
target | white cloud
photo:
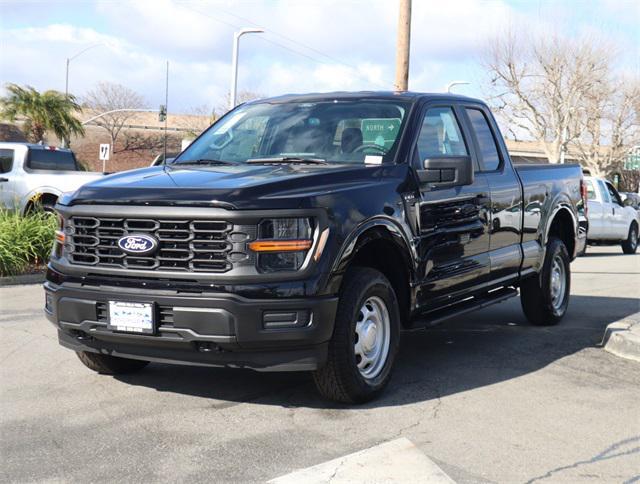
[310, 45]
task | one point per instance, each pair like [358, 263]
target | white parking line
[397, 461]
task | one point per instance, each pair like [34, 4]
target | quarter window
[486, 141]
[6, 161]
[440, 135]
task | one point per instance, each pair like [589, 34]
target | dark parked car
[306, 232]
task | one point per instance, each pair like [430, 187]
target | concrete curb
[622, 338]
[394, 462]
[36, 278]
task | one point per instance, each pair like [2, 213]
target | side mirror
[450, 171]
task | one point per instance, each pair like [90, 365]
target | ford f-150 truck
[305, 232]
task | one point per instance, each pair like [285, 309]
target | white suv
[610, 219]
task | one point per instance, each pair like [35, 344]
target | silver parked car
[33, 173]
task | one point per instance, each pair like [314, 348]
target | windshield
[331, 131]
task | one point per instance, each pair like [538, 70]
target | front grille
[183, 245]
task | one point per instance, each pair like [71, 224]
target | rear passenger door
[598, 219]
[453, 221]
[505, 251]
[607, 211]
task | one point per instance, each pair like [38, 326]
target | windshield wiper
[205, 161]
[289, 159]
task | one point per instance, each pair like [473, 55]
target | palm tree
[47, 111]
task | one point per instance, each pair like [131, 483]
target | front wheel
[110, 365]
[630, 245]
[545, 298]
[365, 339]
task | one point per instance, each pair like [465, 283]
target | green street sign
[380, 131]
[632, 162]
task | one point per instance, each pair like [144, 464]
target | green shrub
[25, 240]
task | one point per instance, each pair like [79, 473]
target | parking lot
[486, 397]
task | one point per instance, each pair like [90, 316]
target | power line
[294, 41]
[282, 46]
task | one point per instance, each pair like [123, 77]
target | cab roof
[361, 95]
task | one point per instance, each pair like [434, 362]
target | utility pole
[403, 46]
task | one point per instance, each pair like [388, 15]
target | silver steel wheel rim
[558, 282]
[372, 337]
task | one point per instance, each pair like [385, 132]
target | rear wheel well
[562, 228]
[385, 256]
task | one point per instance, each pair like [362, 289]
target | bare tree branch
[107, 96]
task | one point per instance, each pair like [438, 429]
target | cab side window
[613, 193]
[486, 141]
[440, 135]
[6, 161]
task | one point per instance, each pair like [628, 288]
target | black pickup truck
[305, 232]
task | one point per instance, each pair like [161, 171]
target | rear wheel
[630, 245]
[365, 339]
[545, 298]
[110, 365]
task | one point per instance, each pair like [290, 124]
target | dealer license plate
[131, 317]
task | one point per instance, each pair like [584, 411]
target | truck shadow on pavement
[478, 349]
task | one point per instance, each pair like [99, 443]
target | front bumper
[212, 329]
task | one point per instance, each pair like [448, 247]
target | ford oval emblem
[138, 244]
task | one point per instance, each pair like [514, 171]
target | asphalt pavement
[485, 397]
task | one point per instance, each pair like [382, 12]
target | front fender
[379, 227]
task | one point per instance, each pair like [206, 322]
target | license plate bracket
[132, 317]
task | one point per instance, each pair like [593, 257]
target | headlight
[283, 243]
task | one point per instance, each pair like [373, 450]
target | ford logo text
[140, 244]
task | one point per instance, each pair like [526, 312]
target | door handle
[4, 179]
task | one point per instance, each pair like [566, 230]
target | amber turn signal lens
[60, 237]
[279, 245]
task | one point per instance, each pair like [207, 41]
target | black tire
[110, 365]
[630, 245]
[536, 293]
[340, 379]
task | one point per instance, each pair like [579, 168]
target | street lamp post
[66, 77]
[456, 83]
[69, 59]
[234, 63]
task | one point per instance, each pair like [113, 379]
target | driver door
[453, 221]
[619, 225]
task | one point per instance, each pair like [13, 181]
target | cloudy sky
[309, 45]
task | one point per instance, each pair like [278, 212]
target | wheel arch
[41, 195]
[382, 245]
[562, 224]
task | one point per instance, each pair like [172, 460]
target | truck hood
[235, 187]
